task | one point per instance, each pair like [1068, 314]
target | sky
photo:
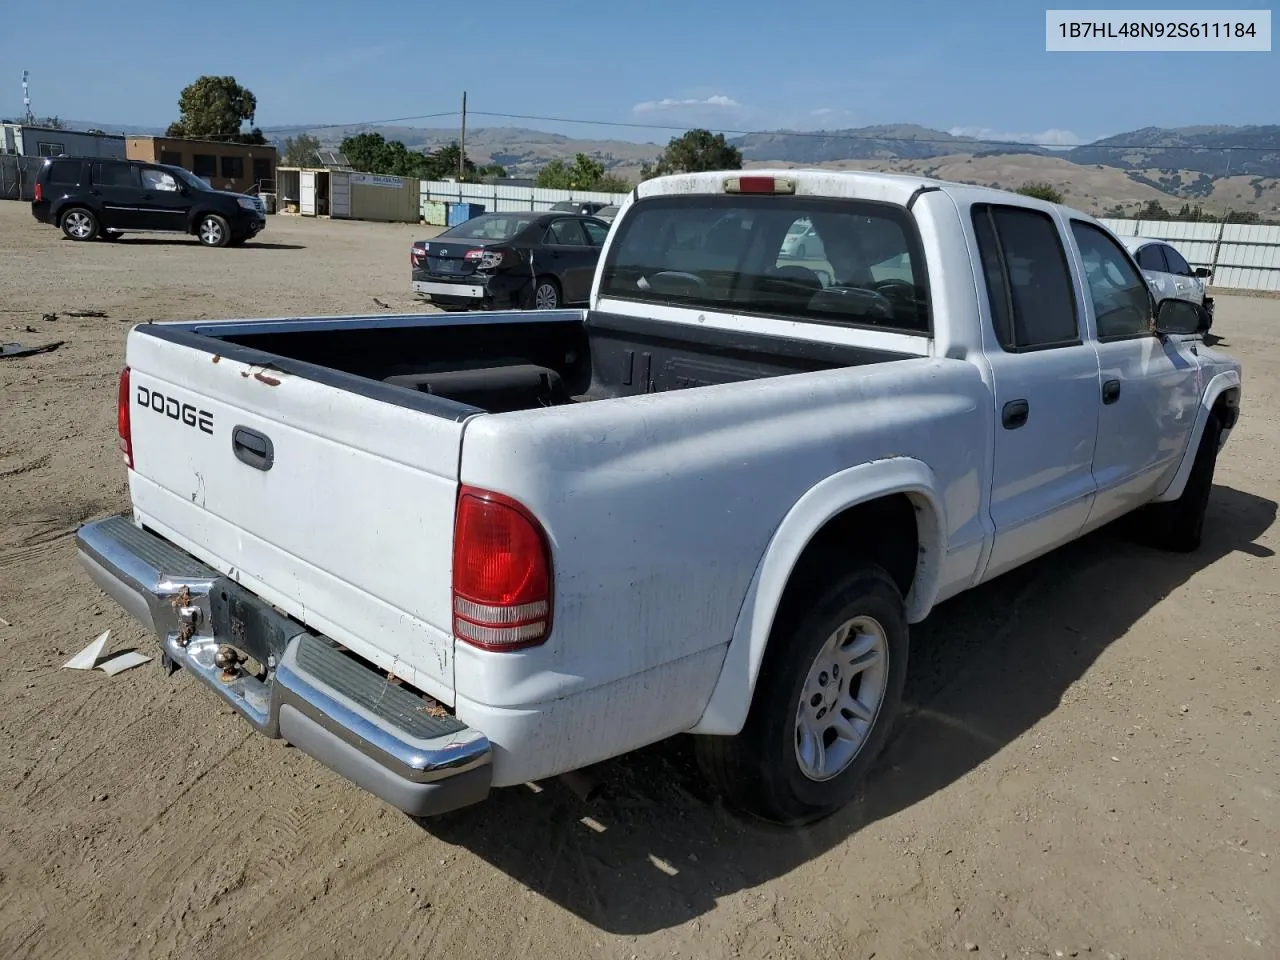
[642, 72]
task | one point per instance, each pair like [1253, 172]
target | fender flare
[726, 709]
[1220, 384]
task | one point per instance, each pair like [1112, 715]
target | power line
[821, 135]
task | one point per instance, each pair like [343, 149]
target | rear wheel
[79, 224]
[545, 294]
[213, 231]
[828, 692]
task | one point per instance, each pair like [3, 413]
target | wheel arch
[1221, 398]
[887, 495]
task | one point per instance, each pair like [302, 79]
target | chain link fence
[18, 176]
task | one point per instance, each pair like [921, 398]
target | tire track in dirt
[30, 466]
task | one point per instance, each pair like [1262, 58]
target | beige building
[239, 167]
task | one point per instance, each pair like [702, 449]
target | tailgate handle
[253, 448]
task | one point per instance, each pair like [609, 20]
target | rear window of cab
[846, 262]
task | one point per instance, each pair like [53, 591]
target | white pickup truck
[443, 554]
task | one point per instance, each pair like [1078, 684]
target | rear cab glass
[846, 262]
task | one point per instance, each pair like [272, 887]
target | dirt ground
[1090, 765]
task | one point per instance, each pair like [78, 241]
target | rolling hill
[1217, 167]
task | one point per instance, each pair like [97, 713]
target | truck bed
[508, 361]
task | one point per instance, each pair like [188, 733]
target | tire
[79, 224]
[238, 241]
[1178, 525]
[107, 235]
[546, 290]
[213, 230]
[760, 770]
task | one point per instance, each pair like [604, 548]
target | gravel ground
[1089, 766]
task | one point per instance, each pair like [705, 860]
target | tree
[51, 123]
[1041, 191]
[694, 152]
[1153, 211]
[586, 173]
[442, 163]
[493, 170]
[215, 108]
[301, 151]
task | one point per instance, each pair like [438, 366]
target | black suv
[92, 197]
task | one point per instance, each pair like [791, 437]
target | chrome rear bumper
[328, 704]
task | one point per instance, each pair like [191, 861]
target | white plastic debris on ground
[91, 657]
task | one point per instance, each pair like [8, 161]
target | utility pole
[462, 145]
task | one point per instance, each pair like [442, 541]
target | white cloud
[716, 101]
[1051, 138]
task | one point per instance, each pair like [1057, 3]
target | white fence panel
[504, 199]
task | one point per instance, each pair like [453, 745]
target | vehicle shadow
[178, 240]
[640, 843]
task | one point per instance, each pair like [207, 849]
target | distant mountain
[1172, 166]
[1256, 153]
[903, 141]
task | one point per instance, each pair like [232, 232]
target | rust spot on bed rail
[269, 381]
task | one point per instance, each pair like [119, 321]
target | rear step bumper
[327, 704]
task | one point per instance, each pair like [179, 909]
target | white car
[1168, 273]
[444, 553]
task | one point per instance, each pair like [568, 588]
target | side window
[159, 180]
[1150, 258]
[113, 175]
[1121, 300]
[204, 165]
[1033, 305]
[64, 171]
[595, 232]
[565, 233]
[1176, 263]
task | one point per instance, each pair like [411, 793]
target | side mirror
[1204, 273]
[1181, 318]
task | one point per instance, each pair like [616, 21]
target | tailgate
[346, 523]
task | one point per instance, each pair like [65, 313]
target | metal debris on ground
[50, 317]
[384, 306]
[86, 313]
[11, 350]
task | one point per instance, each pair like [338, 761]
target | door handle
[1015, 414]
[1111, 391]
[253, 448]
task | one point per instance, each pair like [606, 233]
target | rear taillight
[123, 425]
[415, 255]
[39, 192]
[501, 573]
[485, 259]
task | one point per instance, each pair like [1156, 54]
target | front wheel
[213, 231]
[1178, 525]
[828, 692]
